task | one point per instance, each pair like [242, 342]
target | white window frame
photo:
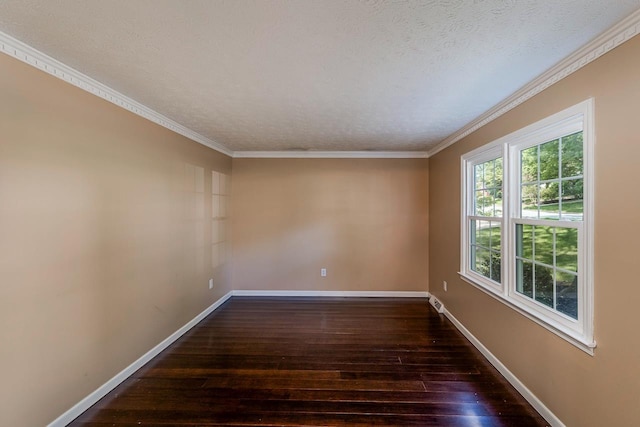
[476, 157]
[573, 119]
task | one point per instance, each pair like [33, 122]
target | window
[527, 222]
[485, 221]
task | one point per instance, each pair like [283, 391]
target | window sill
[578, 341]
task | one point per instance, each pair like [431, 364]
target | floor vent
[435, 302]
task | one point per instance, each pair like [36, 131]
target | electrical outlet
[444, 285]
[210, 283]
[323, 272]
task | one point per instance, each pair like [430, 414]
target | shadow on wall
[196, 216]
[220, 194]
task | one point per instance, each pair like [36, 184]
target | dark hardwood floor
[321, 362]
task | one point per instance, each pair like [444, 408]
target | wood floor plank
[317, 361]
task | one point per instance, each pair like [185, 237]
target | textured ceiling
[316, 75]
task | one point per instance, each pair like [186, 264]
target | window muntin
[484, 219]
[544, 222]
[547, 266]
[551, 179]
[486, 249]
[488, 188]
[551, 188]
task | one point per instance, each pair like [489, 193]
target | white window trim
[578, 117]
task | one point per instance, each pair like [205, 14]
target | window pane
[493, 174]
[489, 174]
[572, 155]
[543, 244]
[479, 202]
[524, 278]
[472, 231]
[472, 257]
[488, 188]
[483, 232]
[549, 160]
[572, 211]
[549, 198]
[567, 248]
[529, 201]
[529, 161]
[498, 202]
[495, 266]
[496, 237]
[488, 203]
[481, 262]
[524, 241]
[498, 173]
[572, 199]
[543, 285]
[567, 294]
[479, 176]
[493, 206]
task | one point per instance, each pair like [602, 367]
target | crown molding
[25, 53]
[610, 39]
[330, 155]
[31, 56]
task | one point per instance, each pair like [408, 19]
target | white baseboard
[361, 294]
[101, 391]
[546, 413]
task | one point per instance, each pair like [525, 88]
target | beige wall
[105, 241]
[580, 389]
[364, 220]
